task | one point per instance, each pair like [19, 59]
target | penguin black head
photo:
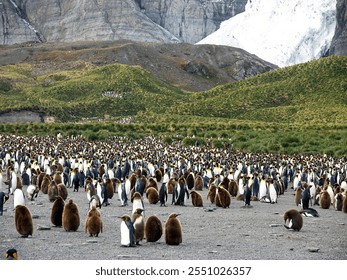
[138, 211]
[11, 254]
[125, 218]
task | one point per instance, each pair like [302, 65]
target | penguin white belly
[137, 204]
[296, 184]
[127, 187]
[313, 190]
[343, 185]
[119, 191]
[98, 192]
[18, 198]
[30, 190]
[262, 189]
[273, 194]
[13, 183]
[1, 180]
[125, 235]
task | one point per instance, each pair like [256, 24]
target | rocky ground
[235, 233]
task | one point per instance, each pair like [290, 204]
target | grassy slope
[294, 109]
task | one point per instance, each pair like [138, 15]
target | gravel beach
[209, 232]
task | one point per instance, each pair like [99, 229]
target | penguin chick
[153, 229]
[11, 254]
[57, 212]
[152, 195]
[223, 198]
[127, 231]
[196, 199]
[294, 218]
[23, 221]
[173, 230]
[71, 218]
[139, 225]
[93, 224]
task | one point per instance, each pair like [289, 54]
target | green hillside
[88, 92]
[297, 109]
[313, 93]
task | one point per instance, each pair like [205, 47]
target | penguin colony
[141, 175]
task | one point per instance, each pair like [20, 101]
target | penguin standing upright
[18, 197]
[93, 224]
[153, 229]
[272, 191]
[247, 193]
[223, 198]
[23, 221]
[70, 218]
[196, 199]
[127, 231]
[139, 225]
[57, 212]
[173, 230]
[3, 198]
[137, 202]
[152, 195]
[163, 194]
[294, 218]
[306, 196]
[122, 195]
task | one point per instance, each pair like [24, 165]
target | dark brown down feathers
[23, 221]
[153, 229]
[173, 230]
[71, 218]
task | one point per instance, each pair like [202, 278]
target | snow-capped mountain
[283, 32]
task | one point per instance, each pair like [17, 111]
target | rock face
[193, 20]
[339, 42]
[139, 20]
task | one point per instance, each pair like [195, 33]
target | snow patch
[283, 32]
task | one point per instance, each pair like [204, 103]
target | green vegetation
[297, 109]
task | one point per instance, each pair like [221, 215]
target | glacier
[283, 32]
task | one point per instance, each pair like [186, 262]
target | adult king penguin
[3, 198]
[11, 254]
[163, 194]
[127, 231]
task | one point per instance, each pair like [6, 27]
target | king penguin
[127, 231]
[163, 194]
[139, 225]
[3, 198]
[11, 254]
[153, 229]
[71, 218]
[122, 194]
[173, 230]
[23, 221]
[294, 219]
[137, 202]
[57, 212]
[93, 224]
[18, 197]
[196, 199]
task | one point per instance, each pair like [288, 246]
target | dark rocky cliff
[139, 20]
[339, 42]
